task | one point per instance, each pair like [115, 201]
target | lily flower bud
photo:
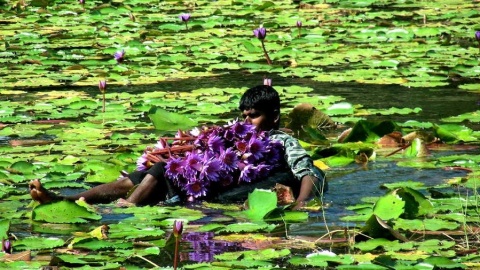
[260, 33]
[102, 86]
[177, 228]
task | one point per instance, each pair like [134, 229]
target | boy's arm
[300, 163]
[307, 188]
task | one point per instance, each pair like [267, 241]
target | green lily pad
[63, 212]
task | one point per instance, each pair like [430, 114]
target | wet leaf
[38, 243]
[166, 121]
[63, 212]
[390, 206]
[260, 203]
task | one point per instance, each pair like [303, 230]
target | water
[347, 185]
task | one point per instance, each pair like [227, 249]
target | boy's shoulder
[279, 135]
[287, 140]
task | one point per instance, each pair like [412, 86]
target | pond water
[347, 185]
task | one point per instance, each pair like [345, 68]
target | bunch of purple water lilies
[222, 156]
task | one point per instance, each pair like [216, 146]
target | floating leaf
[38, 243]
[390, 206]
[63, 212]
[167, 121]
[260, 203]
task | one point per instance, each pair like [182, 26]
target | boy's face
[259, 119]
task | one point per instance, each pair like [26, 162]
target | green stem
[175, 259]
[103, 101]
[186, 25]
[147, 260]
[265, 53]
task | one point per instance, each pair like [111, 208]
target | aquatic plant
[299, 26]
[6, 246]
[267, 81]
[477, 37]
[119, 56]
[261, 34]
[102, 86]
[82, 3]
[185, 17]
[177, 232]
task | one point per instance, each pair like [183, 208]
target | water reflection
[202, 247]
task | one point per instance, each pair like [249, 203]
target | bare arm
[307, 188]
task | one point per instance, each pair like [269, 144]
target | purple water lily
[102, 86]
[256, 148]
[211, 170]
[215, 143]
[177, 228]
[274, 152]
[174, 168]
[82, 2]
[177, 232]
[216, 162]
[241, 129]
[229, 159]
[142, 163]
[119, 56]
[299, 26]
[261, 33]
[196, 189]
[248, 174]
[263, 170]
[193, 165]
[185, 17]
[7, 246]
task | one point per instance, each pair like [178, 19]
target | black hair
[263, 98]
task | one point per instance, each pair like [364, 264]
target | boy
[260, 106]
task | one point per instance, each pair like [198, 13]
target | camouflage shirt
[296, 157]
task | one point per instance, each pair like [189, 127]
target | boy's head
[260, 106]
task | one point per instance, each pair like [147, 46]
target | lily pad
[63, 212]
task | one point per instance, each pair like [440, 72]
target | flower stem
[103, 101]
[265, 53]
[186, 25]
[175, 259]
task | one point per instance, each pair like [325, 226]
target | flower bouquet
[207, 160]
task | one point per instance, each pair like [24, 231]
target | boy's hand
[299, 205]
[124, 203]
